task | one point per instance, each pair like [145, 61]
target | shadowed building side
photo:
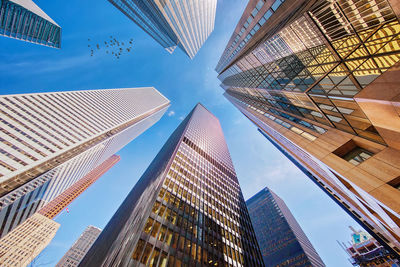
[281, 239]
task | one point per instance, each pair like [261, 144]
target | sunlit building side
[24, 243]
[185, 24]
[49, 141]
[319, 78]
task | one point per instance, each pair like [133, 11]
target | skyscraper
[281, 239]
[51, 140]
[79, 249]
[25, 242]
[24, 20]
[54, 207]
[186, 209]
[22, 244]
[173, 23]
[319, 79]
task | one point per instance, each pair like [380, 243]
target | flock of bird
[112, 47]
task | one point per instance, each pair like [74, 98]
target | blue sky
[26, 68]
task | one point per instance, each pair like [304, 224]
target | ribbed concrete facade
[24, 20]
[186, 210]
[319, 78]
[52, 140]
[172, 23]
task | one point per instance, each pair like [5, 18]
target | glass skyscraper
[281, 239]
[172, 23]
[24, 20]
[319, 79]
[186, 210]
[49, 141]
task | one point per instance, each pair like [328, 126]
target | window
[254, 12]
[267, 14]
[276, 5]
[357, 155]
[138, 251]
[260, 4]
[395, 183]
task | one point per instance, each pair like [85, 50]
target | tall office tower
[186, 210]
[281, 239]
[24, 20]
[172, 23]
[54, 207]
[319, 79]
[79, 249]
[49, 141]
[364, 250]
[22, 245]
[31, 229]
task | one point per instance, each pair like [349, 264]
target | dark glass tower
[186, 210]
[281, 239]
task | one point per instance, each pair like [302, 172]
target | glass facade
[186, 210]
[312, 67]
[25, 21]
[282, 241]
[172, 23]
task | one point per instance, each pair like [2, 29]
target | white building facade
[51, 140]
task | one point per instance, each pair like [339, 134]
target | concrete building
[318, 78]
[49, 141]
[79, 249]
[280, 237]
[186, 24]
[24, 243]
[24, 20]
[186, 210]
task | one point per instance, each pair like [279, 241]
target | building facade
[186, 24]
[54, 207]
[364, 250]
[24, 243]
[280, 237]
[49, 141]
[186, 210]
[318, 78]
[24, 20]
[79, 249]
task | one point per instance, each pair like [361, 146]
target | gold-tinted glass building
[186, 210]
[319, 80]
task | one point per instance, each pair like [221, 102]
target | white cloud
[181, 118]
[171, 113]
